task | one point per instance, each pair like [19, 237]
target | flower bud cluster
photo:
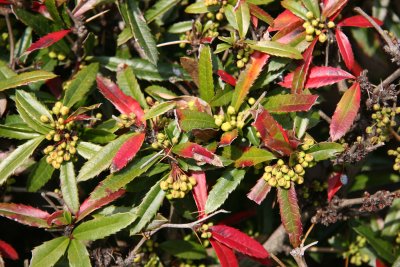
[204, 230]
[59, 56]
[357, 257]
[177, 185]
[243, 55]
[383, 120]
[126, 120]
[163, 141]
[231, 119]
[315, 27]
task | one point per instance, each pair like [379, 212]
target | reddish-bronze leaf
[379, 263]
[127, 151]
[358, 21]
[90, 204]
[260, 191]
[197, 152]
[319, 76]
[191, 66]
[290, 214]
[228, 137]
[55, 86]
[125, 104]
[238, 217]
[334, 184]
[226, 256]
[7, 251]
[226, 77]
[254, 21]
[260, 14]
[285, 19]
[290, 103]
[345, 113]
[294, 33]
[5, 2]
[238, 241]
[345, 49]
[24, 214]
[47, 40]
[57, 218]
[300, 74]
[200, 193]
[332, 8]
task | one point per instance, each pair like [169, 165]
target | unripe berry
[317, 32]
[219, 16]
[64, 110]
[44, 119]
[309, 38]
[52, 54]
[272, 182]
[231, 110]
[226, 126]
[306, 24]
[61, 57]
[56, 138]
[251, 101]
[309, 15]
[331, 24]
[192, 180]
[310, 30]
[314, 22]
[322, 38]
[240, 64]
[280, 162]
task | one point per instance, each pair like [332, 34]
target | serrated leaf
[191, 119]
[391, 226]
[158, 110]
[206, 82]
[24, 214]
[51, 7]
[80, 84]
[226, 256]
[345, 49]
[275, 49]
[40, 175]
[346, 112]
[242, 14]
[78, 256]
[126, 80]
[184, 249]
[260, 14]
[87, 150]
[180, 27]
[334, 184]
[333, 7]
[313, 6]
[159, 8]
[253, 156]
[226, 77]
[290, 214]
[325, 150]
[47, 40]
[228, 137]
[197, 152]
[220, 192]
[296, 8]
[102, 159]
[358, 21]
[69, 188]
[25, 78]
[283, 20]
[48, 253]
[290, 102]
[301, 72]
[200, 192]
[17, 158]
[260, 191]
[16, 132]
[103, 226]
[148, 208]
[127, 151]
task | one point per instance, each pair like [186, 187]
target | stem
[275, 258]
[301, 262]
[391, 78]
[11, 37]
[174, 43]
[308, 232]
[324, 116]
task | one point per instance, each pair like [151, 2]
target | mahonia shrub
[199, 133]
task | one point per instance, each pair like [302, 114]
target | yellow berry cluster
[163, 141]
[189, 263]
[395, 153]
[383, 119]
[354, 252]
[230, 120]
[215, 2]
[59, 56]
[204, 230]
[281, 174]
[315, 27]
[62, 134]
[243, 55]
[177, 185]
[126, 120]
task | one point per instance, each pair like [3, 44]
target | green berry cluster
[126, 120]
[63, 135]
[398, 238]
[59, 56]
[190, 263]
[354, 252]
[282, 174]
[383, 120]
[163, 141]
[231, 119]
[396, 153]
[204, 230]
[243, 55]
[315, 27]
[177, 185]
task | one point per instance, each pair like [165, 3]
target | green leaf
[102, 159]
[78, 255]
[159, 8]
[49, 252]
[31, 110]
[206, 82]
[159, 109]
[243, 18]
[16, 132]
[231, 16]
[5, 71]
[184, 249]
[325, 150]
[69, 188]
[99, 136]
[81, 84]
[87, 150]
[134, 19]
[126, 80]
[381, 246]
[200, 8]
[313, 6]
[275, 49]
[25, 78]
[296, 8]
[17, 158]
[103, 226]
[191, 119]
[180, 27]
[253, 156]
[52, 9]
[40, 175]
[392, 219]
[148, 208]
[160, 93]
[228, 182]
[125, 35]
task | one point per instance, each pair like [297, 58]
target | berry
[322, 38]
[331, 24]
[309, 15]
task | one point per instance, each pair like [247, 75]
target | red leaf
[345, 113]
[226, 256]
[254, 21]
[345, 49]
[47, 40]
[24, 214]
[7, 251]
[290, 103]
[294, 33]
[334, 184]
[272, 133]
[80, 117]
[358, 21]
[320, 76]
[332, 8]
[5, 2]
[200, 193]
[238, 241]
[226, 77]
[290, 214]
[285, 19]
[125, 104]
[55, 86]
[228, 137]
[379, 263]
[90, 204]
[300, 74]
[260, 191]
[127, 151]
[259, 13]
[248, 77]
[239, 216]
[57, 218]
[197, 152]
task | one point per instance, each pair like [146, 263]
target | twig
[392, 77]
[275, 258]
[96, 16]
[11, 38]
[325, 250]
[174, 43]
[324, 116]
[307, 234]
[395, 135]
